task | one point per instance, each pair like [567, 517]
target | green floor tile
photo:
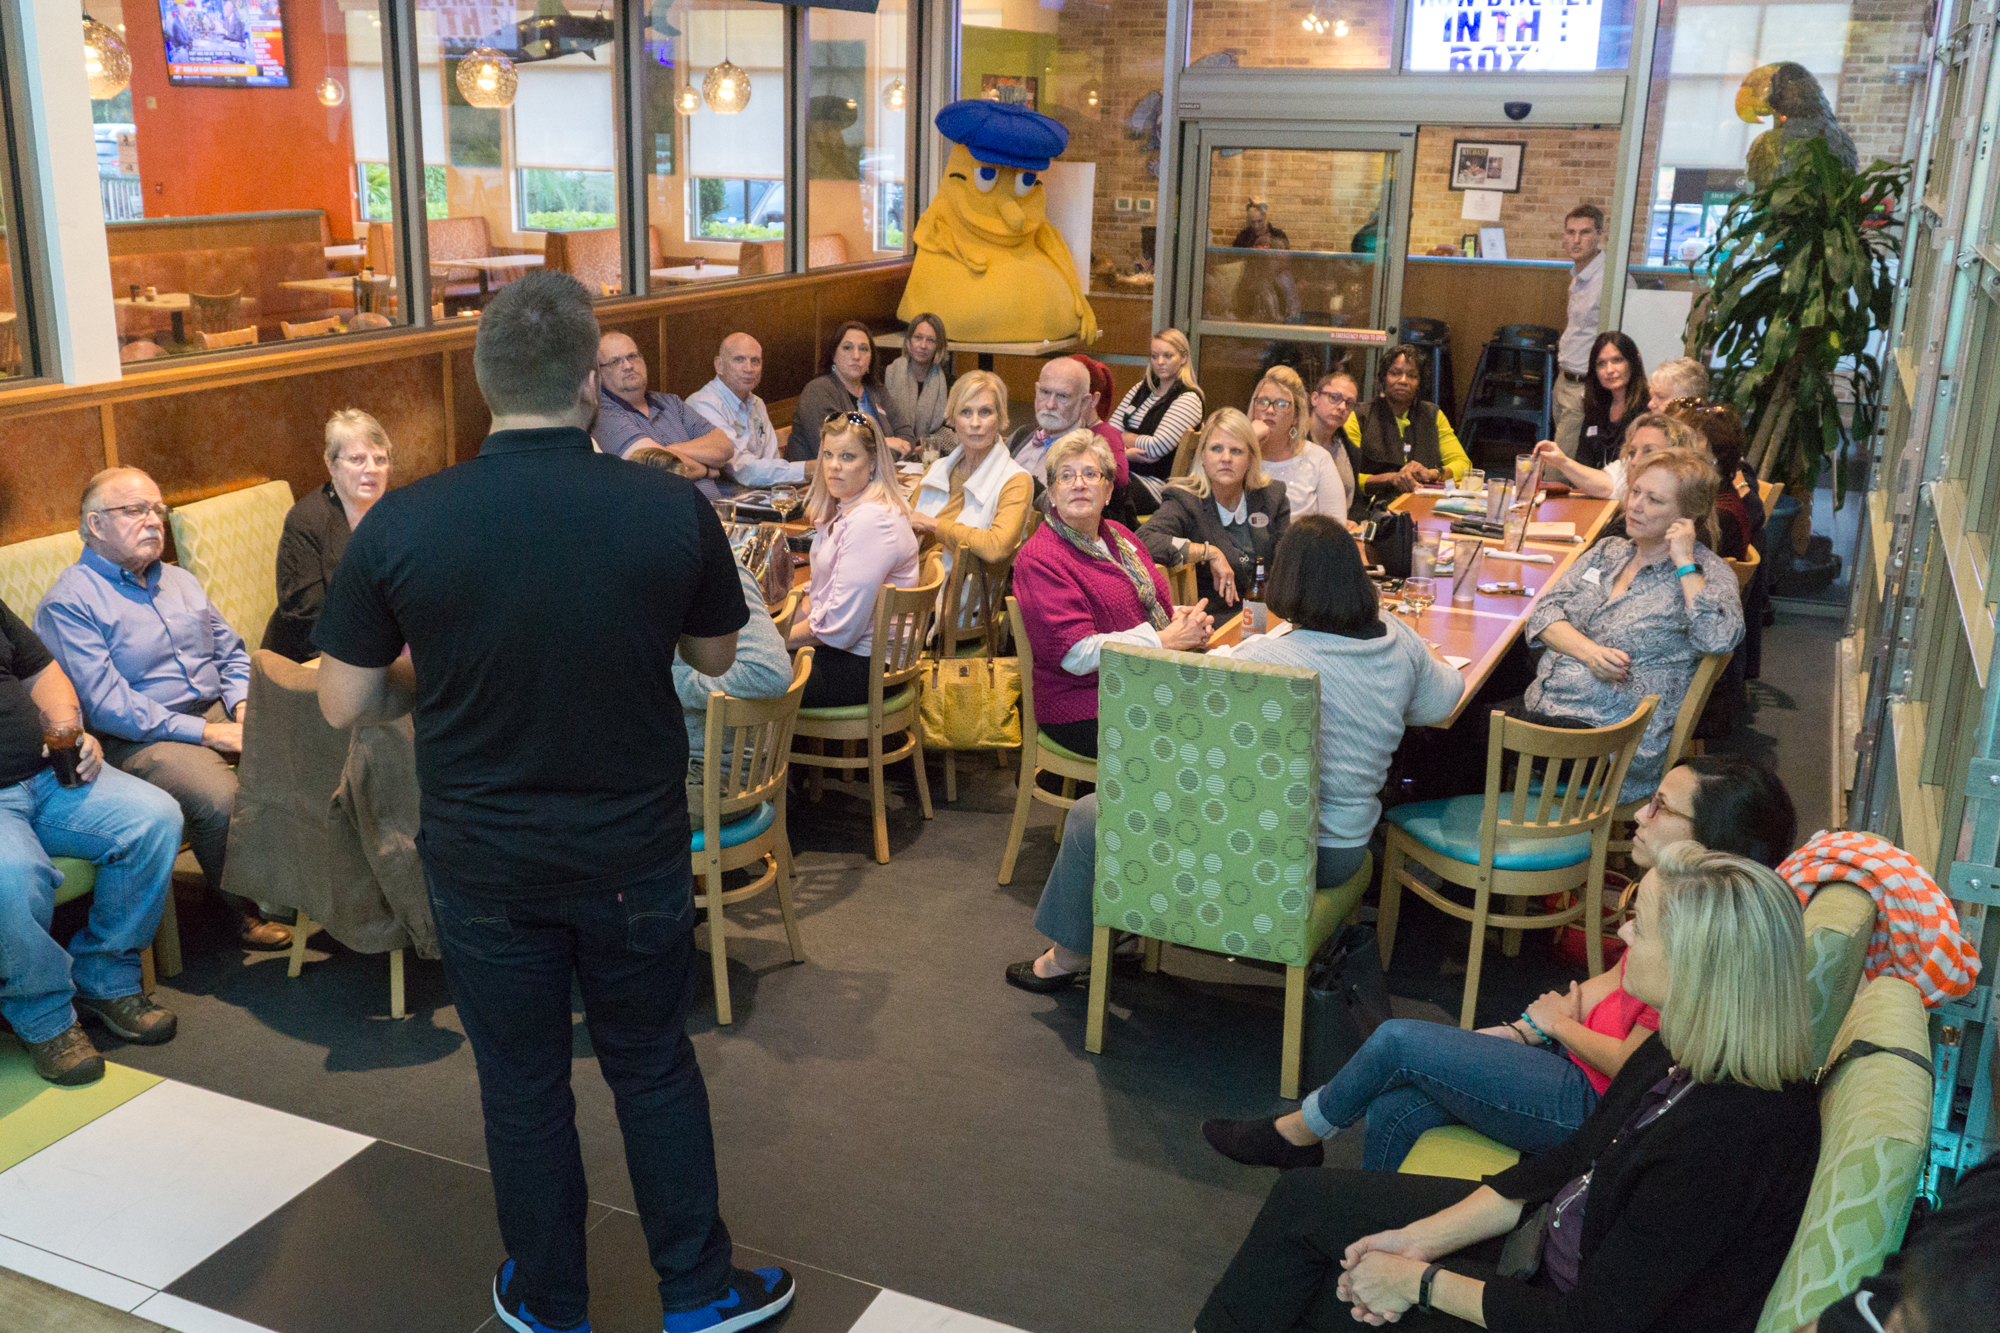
[35, 1113]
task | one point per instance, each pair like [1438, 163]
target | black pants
[839, 680]
[1285, 1276]
[510, 965]
[1077, 737]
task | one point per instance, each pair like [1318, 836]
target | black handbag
[1392, 536]
[1346, 1000]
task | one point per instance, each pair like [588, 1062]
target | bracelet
[1686, 570]
[1424, 1286]
[1547, 1040]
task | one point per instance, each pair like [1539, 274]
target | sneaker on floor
[67, 1059]
[513, 1310]
[134, 1017]
[754, 1295]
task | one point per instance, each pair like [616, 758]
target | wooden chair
[1544, 836]
[895, 663]
[317, 328]
[213, 313]
[161, 958]
[243, 337]
[1039, 755]
[1682, 743]
[787, 612]
[1745, 569]
[967, 626]
[743, 772]
[1181, 583]
[1770, 492]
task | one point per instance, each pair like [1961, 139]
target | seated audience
[358, 459]
[1103, 393]
[1613, 396]
[1634, 614]
[627, 413]
[1332, 403]
[1063, 404]
[916, 383]
[762, 669]
[1402, 441]
[1226, 516]
[849, 385]
[163, 679]
[1156, 413]
[1649, 434]
[1739, 508]
[1674, 1204]
[1083, 581]
[1309, 474]
[1376, 677]
[730, 401]
[1531, 1083]
[129, 830]
[861, 540]
[1681, 378]
[1946, 1272]
[976, 498]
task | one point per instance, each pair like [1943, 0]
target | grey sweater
[1369, 691]
[762, 669]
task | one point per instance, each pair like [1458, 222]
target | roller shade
[369, 100]
[562, 115]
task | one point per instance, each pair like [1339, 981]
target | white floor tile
[893, 1312]
[187, 1317]
[90, 1283]
[151, 1188]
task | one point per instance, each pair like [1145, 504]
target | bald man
[730, 401]
[1063, 402]
[627, 414]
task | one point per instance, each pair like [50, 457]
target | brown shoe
[258, 933]
[134, 1017]
[67, 1060]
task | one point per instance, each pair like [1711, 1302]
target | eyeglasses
[1069, 476]
[1655, 807]
[159, 511]
[1270, 404]
[629, 359]
[363, 460]
[1337, 399]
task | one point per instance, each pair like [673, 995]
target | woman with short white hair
[358, 458]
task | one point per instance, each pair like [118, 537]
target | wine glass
[785, 499]
[1419, 594]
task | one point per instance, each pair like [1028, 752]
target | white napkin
[1525, 557]
[1457, 663]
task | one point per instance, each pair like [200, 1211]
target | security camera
[1517, 110]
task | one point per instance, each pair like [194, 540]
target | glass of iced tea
[62, 733]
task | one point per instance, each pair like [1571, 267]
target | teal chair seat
[1061, 752]
[753, 825]
[78, 878]
[1451, 828]
[891, 703]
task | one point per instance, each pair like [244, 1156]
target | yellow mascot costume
[989, 263]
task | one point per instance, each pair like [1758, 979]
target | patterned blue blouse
[1651, 623]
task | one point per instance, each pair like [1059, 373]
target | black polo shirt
[22, 658]
[541, 589]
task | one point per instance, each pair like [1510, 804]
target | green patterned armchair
[1208, 807]
[230, 544]
[1840, 919]
[1875, 1117]
[27, 569]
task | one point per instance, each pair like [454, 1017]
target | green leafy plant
[1801, 280]
[743, 231]
[570, 219]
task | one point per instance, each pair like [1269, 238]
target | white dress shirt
[755, 460]
[1586, 289]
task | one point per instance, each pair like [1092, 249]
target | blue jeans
[509, 964]
[130, 830]
[1411, 1076]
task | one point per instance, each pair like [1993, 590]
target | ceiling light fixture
[727, 87]
[487, 79]
[106, 63]
[687, 100]
[895, 95]
[331, 91]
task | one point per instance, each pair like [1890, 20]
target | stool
[1432, 339]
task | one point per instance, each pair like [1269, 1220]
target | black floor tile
[625, 1296]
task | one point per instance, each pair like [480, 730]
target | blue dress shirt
[668, 420]
[148, 656]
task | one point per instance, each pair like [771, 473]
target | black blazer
[309, 550]
[1687, 1221]
[1182, 513]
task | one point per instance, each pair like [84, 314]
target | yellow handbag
[972, 703]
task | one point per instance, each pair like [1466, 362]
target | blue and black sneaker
[513, 1309]
[754, 1295]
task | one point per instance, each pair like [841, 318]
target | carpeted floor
[891, 1110]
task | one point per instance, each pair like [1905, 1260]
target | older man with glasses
[1063, 403]
[162, 678]
[628, 415]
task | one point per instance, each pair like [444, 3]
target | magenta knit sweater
[1066, 597]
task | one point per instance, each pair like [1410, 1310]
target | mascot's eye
[985, 178]
[1025, 182]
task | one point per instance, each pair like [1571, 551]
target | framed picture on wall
[1481, 165]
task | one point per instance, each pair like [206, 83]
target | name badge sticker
[1260, 520]
[1593, 576]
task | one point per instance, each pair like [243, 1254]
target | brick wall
[1318, 199]
[1560, 169]
[1267, 34]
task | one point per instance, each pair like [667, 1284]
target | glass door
[1289, 251]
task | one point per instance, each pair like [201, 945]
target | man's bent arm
[352, 696]
[711, 656]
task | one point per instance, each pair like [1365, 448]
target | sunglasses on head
[861, 419]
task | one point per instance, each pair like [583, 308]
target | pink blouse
[865, 546]
[1615, 1016]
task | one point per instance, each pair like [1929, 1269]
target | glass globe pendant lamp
[487, 79]
[106, 63]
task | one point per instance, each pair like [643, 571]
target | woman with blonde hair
[976, 498]
[1648, 435]
[1709, 1135]
[861, 540]
[1225, 514]
[1280, 413]
[1156, 414]
[359, 456]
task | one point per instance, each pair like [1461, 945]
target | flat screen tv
[225, 43]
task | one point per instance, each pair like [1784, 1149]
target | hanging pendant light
[727, 87]
[106, 63]
[895, 95]
[487, 79]
[331, 91]
[687, 100]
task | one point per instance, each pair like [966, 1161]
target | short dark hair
[537, 341]
[1402, 352]
[1317, 580]
[869, 375]
[1720, 427]
[1741, 807]
[1591, 211]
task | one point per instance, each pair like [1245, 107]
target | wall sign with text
[1495, 36]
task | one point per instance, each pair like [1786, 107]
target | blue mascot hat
[1003, 134]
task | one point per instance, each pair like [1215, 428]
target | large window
[1504, 36]
[14, 359]
[1290, 34]
[855, 125]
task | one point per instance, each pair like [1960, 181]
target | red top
[1615, 1016]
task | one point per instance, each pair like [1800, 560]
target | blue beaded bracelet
[1547, 1040]
[1686, 570]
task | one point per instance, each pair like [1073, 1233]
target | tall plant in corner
[1801, 280]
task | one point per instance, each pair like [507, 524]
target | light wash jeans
[1412, 1075]
[130, 830]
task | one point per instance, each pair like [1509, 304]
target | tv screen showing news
[225, 43]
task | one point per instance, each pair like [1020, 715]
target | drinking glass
[1474, 482]
[726, 511]
[1419, 594]
[785, 499]
[62, 733]
[1523, 465]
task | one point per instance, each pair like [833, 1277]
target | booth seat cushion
[1839, 922]
[891, 703]
[230, 544]
[79, 878]
[753, 825]
[1451, 828]
[1459, 1152]
[27, 569]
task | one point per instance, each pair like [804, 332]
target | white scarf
[981, 492]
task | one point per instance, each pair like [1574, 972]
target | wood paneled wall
[206, 427]
[1477, 297]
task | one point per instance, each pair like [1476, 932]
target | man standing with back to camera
[543, 590]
